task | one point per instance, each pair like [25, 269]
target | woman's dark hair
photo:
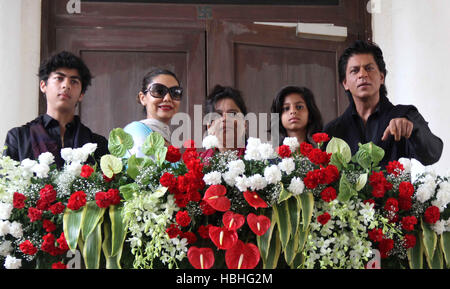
[148, 78]
[222, 92]
[315, 122]
[362, 47]
[65, 59]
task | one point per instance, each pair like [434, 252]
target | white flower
[41, 170]
[67, 154]
[406, 164]
[287, 165]
[74, 168]
[211, 141]
[257, 182]
[253, 143]
[5, 210]
[46, 158]
[252, 154]
[242, 183]
[439, 227]
[425, 191]
[12, 262]
[266, 151]
[28, 164]
[4, 228]
[15, 229]
[292, 142]
[229, 178]
[89, 148]
[296, 186]
[213, 178]
[236, 167]
[79, 155]
[272, 174]
[5, 248]
[442, 196]
[367, 212]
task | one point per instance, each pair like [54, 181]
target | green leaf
[369, 155]
[118, 229]
[284, 195]
[160, 155]
[302, 237]
[119, 142]
[264, 240]
[112, 262]
[284, 223]
[110, 165]
[445, 247]
[438, 260]
[346, 191]
[128, 190]
[361, 182]
[337, 145]
[294, 209]
[152, 144]
[72, 221]
[338, 160]
[271, 261]
[429, 238]
[415, 255]
[92, 247]
[134, 165]
[290, 252]
[92, 216]
[307, 203]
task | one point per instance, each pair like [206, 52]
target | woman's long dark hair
[315, 122]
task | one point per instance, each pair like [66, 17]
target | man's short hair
[66, 59]
[363, 47]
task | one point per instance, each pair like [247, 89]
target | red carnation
[394, 168]
[311, 180]
[181, 200]
[319, 157]
[386, 245]
[168, 180]
[376, 235]
[59, 265]
[408, 223]
[57, 208]
[324, 218]
[77, 200]
[114, 196]
[409, 241]
[305, 148]
[404, 204]
[391, 205]
[183, 218]
[379, 184]
[173, 154]
[28, 248]
[190, 237]
[48, 226]
[102, 200]
[331, 174]
[86, 171]
[189, 154]
[406, 190]
[328, 194]
[432, 215]
[62, 243]
[284, 151]
[320, 137]
[173, 231]
[19, 200]
[34, 214]
[203, 231]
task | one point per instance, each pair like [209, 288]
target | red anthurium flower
[215, 197]
[258, 224]
[201, 258]
[233, 221]
[222, 237]
[254, 200]
[242, 256]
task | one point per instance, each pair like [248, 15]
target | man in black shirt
[64, 79]
[400, 130]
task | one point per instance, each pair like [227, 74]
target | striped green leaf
[307, 203]
[284, 194]
[291, 249]
[445, 247]
[283, 222]
[92, 215]
[302, 237]
[294, 209]
[438, 260]
[92, 247]
[112, 262]
[415, 255]
[264, 240]
[72, 221]
[118, 229]
[429, 238]
[274, 252]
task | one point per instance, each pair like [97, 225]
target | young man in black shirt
[400, 130]
[64, 79]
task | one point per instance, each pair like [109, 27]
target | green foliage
[119, 142]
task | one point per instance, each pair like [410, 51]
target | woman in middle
[225, 110]
[299, 115]
[161, 95]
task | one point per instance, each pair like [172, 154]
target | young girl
[299, 115]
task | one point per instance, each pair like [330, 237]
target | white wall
[415, 38]
[20, 36]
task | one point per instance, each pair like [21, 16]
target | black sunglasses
[159, 90]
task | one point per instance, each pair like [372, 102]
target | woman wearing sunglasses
[160, 94]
